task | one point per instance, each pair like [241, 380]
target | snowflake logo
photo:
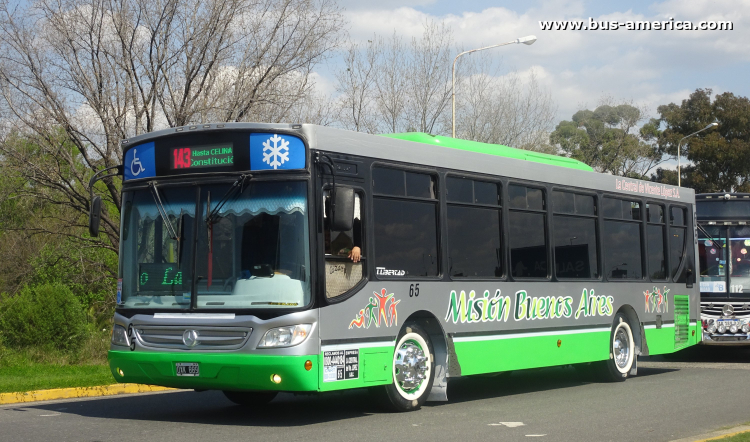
[274, 153]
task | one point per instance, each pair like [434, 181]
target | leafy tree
[609, 140]
[720, 157]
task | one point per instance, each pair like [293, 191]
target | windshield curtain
[253, 254]
[255, 251]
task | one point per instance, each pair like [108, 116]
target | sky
[580, 67]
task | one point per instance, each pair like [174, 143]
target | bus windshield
[725, 261]
[252, 248]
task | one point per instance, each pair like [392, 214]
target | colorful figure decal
[380, 310]
[656, 301]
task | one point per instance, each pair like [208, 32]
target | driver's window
[344, 251]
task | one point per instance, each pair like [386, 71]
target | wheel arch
[442, 348]
[639, 336]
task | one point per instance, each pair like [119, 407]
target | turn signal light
[559, 342]
[276, 379]
[308, 365]
[120, 372]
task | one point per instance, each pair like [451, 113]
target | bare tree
[77, 76]
[394, 86]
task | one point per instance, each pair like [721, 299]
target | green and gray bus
[266, 258]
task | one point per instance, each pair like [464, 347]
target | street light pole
[528, 40]
[679, 151]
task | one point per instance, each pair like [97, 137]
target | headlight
[120, 336]
[733, 329]
[722, 328]
[712, 328]
[285, 336]
[745, 328]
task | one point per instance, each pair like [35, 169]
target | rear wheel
[621, 351]
[413, 370]
[250, 398]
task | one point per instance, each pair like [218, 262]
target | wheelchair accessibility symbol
[135, 166]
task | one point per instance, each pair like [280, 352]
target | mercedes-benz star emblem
[728, 310]
[190, 338]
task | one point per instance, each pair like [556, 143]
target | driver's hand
[355, 254]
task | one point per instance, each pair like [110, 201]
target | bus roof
[491, 149]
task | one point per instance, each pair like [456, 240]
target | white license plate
[730, 322]
[187, 369]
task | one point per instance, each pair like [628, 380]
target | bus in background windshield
[724, 261]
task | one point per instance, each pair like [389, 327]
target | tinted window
[522, 197]
[486, 193]
[474, 242]
[459, 190]
[657, 265]
[723, 209]
[575, 247]
[563, 202]
[655, 213]
[405, 237]
[621, 209]
[676, 250]
[420, 185]
[528, 252]
[678, 216]
[622, 250]
[388, 181]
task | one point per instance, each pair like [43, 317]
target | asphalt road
[687, 394]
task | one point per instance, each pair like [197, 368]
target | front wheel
[413, 370]
[621, 350]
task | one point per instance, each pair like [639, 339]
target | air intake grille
[681, 320]
[209, 338]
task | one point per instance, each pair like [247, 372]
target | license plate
[187, 369]
[730, 322]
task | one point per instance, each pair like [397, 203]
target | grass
[45, 376]
[742, 437]
[44, 368]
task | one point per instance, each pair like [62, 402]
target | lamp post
[679, 151]
[528, 40]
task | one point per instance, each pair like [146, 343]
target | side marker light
[308, 365]
[276, 379]
[559, 342]
[120, 372]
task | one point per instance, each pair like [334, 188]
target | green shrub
[45, 316]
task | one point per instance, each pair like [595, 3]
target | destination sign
[202, 156]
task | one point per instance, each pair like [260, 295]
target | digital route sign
[195, 157]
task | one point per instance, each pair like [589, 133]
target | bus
[723, 244]
[264, 258]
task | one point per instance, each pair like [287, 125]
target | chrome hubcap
[411, 365]
[621, 348]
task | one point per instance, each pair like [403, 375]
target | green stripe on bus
[488, 356]
[491, 149]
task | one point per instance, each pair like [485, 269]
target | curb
[78, 392]
[715, 435]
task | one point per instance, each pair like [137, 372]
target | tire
[413, 371]
[621, 351]
[254, 399]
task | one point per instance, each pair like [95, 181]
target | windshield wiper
[709, 237]
[238, 185]
[162, 211]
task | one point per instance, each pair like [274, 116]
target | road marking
[508, 424]
[535, 435]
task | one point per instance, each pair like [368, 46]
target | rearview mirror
[342, 213]
[95, 216]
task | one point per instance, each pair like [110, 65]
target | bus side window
[342, 249]
[677, 230]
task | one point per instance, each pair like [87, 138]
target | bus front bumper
[737, 339]
[217, 371]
